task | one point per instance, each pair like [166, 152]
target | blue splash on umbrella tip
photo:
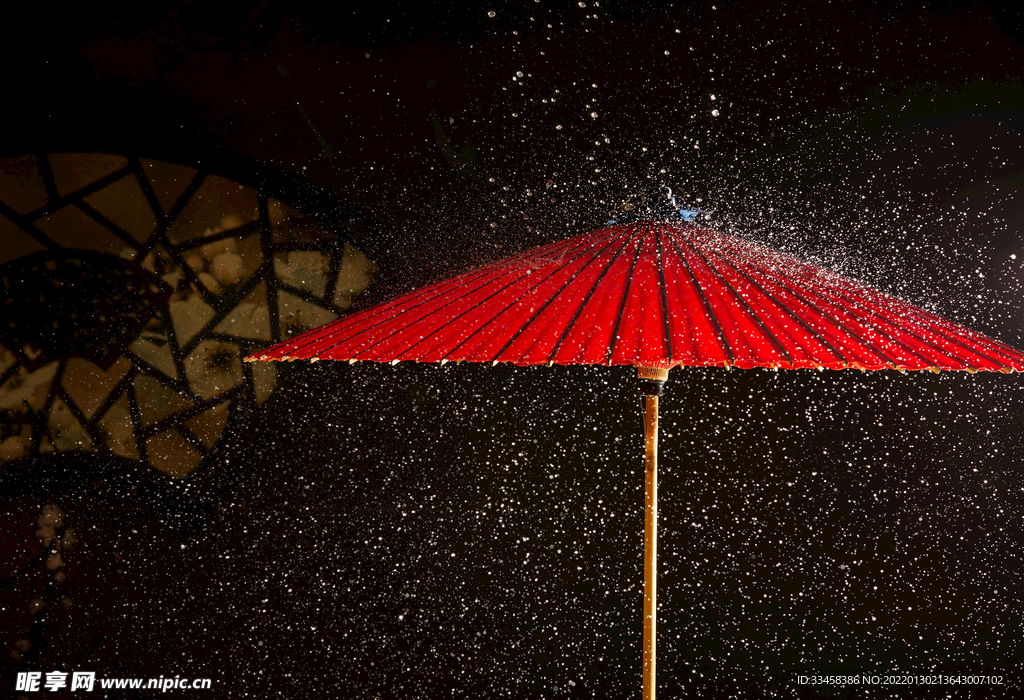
[652, 203]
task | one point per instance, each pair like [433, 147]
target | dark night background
[401, 532]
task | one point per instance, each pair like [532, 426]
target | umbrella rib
[981, 339]
[536, 315]
[343, 323]
[581, 245]
[875, 327]
[746, 306]
[809, 280]
[622, 304]
[835, 351]
[664, 294]
[937, 330]
[838, 353]
[456, 318]
[722, 341]
[590, 293]
[351, 319]
[850, 331]
[923, 340]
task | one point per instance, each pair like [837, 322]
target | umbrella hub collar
[652, 380]
[655, 203]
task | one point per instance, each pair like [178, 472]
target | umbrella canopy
[653, 290]
[653, 293]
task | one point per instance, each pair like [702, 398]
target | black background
[477, 532]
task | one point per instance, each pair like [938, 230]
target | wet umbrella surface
[652, 293]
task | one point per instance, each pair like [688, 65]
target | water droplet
[491, 13]
[714, 113]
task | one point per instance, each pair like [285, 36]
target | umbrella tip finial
[651, 203]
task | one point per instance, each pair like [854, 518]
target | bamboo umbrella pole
[653, 379]
[650, 545]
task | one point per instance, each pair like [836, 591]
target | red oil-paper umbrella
[653, 290]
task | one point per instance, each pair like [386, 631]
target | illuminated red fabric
[653, 294]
